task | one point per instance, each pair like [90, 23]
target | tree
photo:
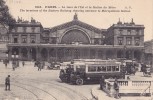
[5, 16]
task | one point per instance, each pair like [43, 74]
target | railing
[128, 87]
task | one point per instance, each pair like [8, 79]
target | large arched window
[75, 36]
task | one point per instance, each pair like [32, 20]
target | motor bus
[81, 72]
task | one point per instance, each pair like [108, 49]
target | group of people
[39, 64]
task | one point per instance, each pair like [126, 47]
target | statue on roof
[75, 16]
[132, 22]
[119, 22]
[33, 20]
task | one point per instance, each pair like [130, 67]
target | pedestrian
[13, 65]
[7, 83]
[102, 82]
[5, 64]
[116, 88]
[39, 66]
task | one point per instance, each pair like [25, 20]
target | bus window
[113, 68]
[91, 68]
[117, 68]
[99, 68]
[80, 68]
[104, 68]
[108, 68]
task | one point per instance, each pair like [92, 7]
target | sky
[140, 10]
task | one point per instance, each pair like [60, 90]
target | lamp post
[14, 61]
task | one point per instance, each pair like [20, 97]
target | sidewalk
[101, 95]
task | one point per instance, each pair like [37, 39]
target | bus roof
[98, 62]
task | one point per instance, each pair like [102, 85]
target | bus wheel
[79, 81]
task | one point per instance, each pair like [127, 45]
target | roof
[76, 22]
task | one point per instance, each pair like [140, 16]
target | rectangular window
[137, 41]
[24, 29]
[117, 68]
[15, 40]
[128, 32]
[80, 68]
[113, 68]
[33, 39]
[24, 39]
[108, 68]
[91, 68]
[128, 41]
[99, 68]
[120, 32]
[120, 41]
[104, 68]
[33, 29]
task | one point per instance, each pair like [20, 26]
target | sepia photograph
[76, 50]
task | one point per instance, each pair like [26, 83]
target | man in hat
[116, 88]
[7, 83]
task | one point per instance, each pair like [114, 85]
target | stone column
[38, 55]
[10, 53]
[124, 40]
[20, 54]
[96, 54]
[133, 41]
[48, 54]
[29, 54]
[132, 54]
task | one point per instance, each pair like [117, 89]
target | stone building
[129, 38]
[148, 45]
[75, 40]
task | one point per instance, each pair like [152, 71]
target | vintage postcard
[76, 49]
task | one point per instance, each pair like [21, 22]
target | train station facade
[75, 40]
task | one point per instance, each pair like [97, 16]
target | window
[117, 68]
[128, 32]
[137, 41]
[137, 32]
[128, 41]
[120, 41]
[108, 68]
[33, 29]
[96, 41]
[53, 40]
[91, 68]
[103, 68]
[99, 68]
[15, 40]
[113, 68]
[33, 39]
[80, 68]
[24, 29]
[16, 29]
[24, 39]
[120, 32]
[46, 40]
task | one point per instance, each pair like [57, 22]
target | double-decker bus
[84, 71]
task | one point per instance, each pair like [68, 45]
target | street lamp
[14, 60]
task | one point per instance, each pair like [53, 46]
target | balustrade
[127, 86]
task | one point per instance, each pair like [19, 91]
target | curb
[93, 95]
